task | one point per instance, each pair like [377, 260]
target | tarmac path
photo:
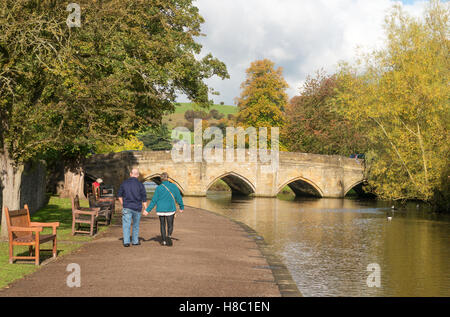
[211, 256]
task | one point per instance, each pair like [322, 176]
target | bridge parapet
[283, 156]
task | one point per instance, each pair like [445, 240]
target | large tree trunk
[73, 182]
[11, 180]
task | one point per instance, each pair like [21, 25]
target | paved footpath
[211, 256]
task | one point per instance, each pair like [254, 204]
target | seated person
[97, 186]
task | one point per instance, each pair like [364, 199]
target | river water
[327, 244]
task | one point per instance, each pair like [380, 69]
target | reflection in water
[328, 243]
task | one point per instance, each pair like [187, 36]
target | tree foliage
[64, 90]
[132, 143]
[313, 125]
[263, 97]
[121, 70]
[215, 114]
[191, 115]
[401, 96]
[156, 139]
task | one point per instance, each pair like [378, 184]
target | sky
[301, 36]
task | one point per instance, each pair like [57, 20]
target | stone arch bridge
[306, 174]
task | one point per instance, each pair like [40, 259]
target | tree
[156, 139]
[191, 115]
[215, 114]
[401, 97]
[132, 143]
[313, 125]
[64, 90]
[263, 97]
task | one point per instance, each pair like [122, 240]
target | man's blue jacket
[133, 194]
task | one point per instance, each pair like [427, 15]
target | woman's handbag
[176, 206]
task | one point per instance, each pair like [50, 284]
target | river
[327, 244]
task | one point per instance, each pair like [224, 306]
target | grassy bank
[57, 209]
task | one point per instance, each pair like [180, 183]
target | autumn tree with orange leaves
[263, 98]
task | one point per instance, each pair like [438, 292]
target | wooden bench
[102, 193]
[105, 200]
[82, 215]
[107, 207]
[22, 231]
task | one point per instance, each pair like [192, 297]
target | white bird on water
[389, 218]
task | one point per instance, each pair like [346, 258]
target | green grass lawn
[11, 272]
[57, 209]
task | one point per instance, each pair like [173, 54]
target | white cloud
[301, 36]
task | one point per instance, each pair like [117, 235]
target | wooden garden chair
[82, 215]
[106, 209]
[22, 231]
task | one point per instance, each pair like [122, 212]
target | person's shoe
[126, 245]
[169, 241]
[139, 243]
[164, 243]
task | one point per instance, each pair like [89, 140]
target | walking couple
[133, 197]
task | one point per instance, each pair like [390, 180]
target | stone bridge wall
[324, 175]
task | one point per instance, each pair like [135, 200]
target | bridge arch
[358, 188]
[302, 187]
[156, 178]
[237, 183]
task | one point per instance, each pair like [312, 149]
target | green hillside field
[225, 109]
[176, 119]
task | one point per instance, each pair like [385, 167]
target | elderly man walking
[133, 197]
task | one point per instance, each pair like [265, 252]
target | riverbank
[210, 256]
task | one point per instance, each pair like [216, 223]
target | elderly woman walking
[165, 198]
